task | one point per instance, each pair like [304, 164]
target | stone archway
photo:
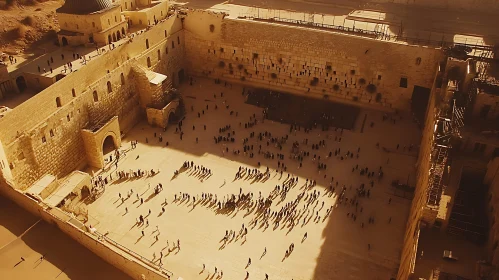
[64, 41]
[21, 83]
[118, 35]
[100, 140]
[172, 118]
[85, 191]
[108, 145]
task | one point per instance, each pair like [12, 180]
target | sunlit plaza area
[318, 189]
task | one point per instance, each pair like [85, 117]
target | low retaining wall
[115, 255]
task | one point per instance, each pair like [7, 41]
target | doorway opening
[21, 83]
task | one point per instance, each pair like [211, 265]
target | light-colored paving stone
[335, 248]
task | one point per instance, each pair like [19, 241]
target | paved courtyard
[338, 246]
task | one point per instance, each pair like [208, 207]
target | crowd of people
[276, 157]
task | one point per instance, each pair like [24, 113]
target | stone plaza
[336, 246]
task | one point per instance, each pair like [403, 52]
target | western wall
[308, 61]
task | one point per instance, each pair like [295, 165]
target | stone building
[90, 22]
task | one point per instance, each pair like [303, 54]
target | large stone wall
[50, 140]
[306, 61]
[409, 250]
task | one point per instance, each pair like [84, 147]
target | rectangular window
[403, 82]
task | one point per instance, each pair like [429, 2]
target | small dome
[83, 7]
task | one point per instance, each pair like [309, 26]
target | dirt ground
[22, 235]
[26, 27]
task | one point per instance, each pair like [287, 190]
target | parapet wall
[75, 229]
[307, 61]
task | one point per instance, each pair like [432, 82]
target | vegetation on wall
[371, 88]
[314, 82]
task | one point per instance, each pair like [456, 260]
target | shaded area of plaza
[303, 111]
[33, 249]
[337, 246]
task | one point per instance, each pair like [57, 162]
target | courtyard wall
[118, 257]
[49, 141]
[307, 61]
[410, 246]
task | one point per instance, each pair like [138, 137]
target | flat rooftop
[336, 247]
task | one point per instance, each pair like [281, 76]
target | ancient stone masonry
[50, 140]
[311, 62]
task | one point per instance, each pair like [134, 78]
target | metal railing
[166, 272]
[316, 25]
[378, 31]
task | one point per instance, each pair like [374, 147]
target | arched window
[166, 50]
[173, 44]
[126, 5]
[93, 24]
[159, 55]
[73, 92]
[109, 87]
[115, 19]
[178, 40]
[418, 60]
[147, 43]
[122, 79]
[58, 102]
[166, 34]
[148, 62]
[96, 96]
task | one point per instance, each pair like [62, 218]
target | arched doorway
[109, 39]
[114, 37]
[123, 31]
[85, 191]
[172, 118]
[64, 41]
[118, 35]
[181, 76]
[108, 145]
[21, 83]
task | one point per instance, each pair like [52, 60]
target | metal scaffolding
[450, 122]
